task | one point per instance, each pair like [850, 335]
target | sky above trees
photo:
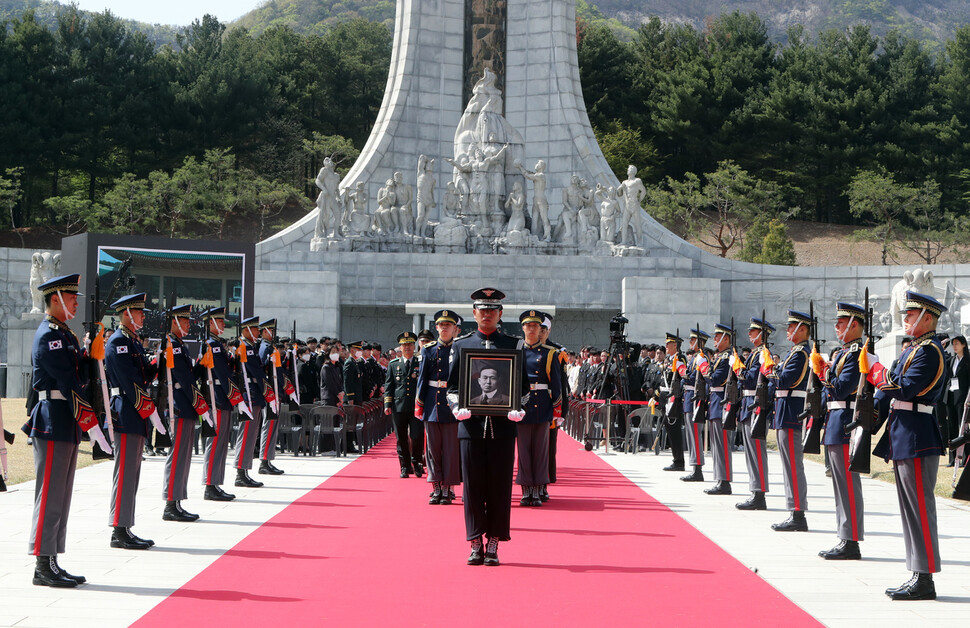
[177, 12]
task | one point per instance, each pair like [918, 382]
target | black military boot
[920, 587]
[186, 513]
[405, 472]
[491, 553]
[756, 502]
[122, 538]
[845, 550]
[174, 513]
[214, 494]
[695, 476]
[723, 487]
[526, 496]
[544, 493]
[675, 466]
[77, 579]
[265, 468]
[150, 542]
[47, 573]
[536, 499]
[446, 495]
[276, 470]
[794, 523]
[418, 469]
[911, 580]
[477, 557]
[435, 494]
[243, 479]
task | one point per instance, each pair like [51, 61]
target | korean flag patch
[55, 344]
[122, 349]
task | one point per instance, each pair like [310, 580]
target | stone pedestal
[20, 340]
[889, 346]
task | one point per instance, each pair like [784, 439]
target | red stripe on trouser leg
[727, 453]
[791, 465]
[850, 486]
[761, 463]
[48, 465]
[176, 450]
[923, 519]
[122, 445]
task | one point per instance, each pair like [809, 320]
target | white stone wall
[311, 298]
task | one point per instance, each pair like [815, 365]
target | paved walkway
[123, 585]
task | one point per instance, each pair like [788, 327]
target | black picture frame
[506, 381]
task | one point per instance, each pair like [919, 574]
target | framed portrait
[491, 381]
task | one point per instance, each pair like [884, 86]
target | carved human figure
[35, 280]
[360, 221]
[426, 202]
[494, 151]
[328, 216]
[609, 211]
[477, 170]
[572, 202]
[386, 215]
[515, 203]
[630, 194]
[404, 199]
[452, 203]
[540, 205]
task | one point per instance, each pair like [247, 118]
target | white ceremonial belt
[538, 386]
[790, 393]
[51, 394]
[748, 393]
[840, 405]
[688, 388]
[909, 405]
[438, 383]
[664, 389]
[717, 389]
[115, 392]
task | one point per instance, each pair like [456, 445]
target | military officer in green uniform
[399, 393]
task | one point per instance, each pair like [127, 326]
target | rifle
[759, 423]
[206, 358]
[860, 444]
[700, 387]
[169, 351]
[732, 395]
[814, 412]
[242, 353]
[962, 486]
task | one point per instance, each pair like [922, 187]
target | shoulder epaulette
[463, 336]
[393, 360]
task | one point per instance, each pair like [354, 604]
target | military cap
[269, 323]
[130, 302]
[547, 320]
[358, 344]
[376, 345]
[215, 312]
[917, 301]
[761, 324]
[65, 283]
[795, 316]
[181, 310]
[252, 321]
[425, 334]
[699, 334]
[849, 310]
[487, 299]
[721, 328]
[531, 316]
[673, 338]
[447, 316]
[407, 338]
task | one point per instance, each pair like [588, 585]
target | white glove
[275, 406]
[873, 359]
[157, 422]
[452, 399]
[207, 418]
[98, 436]
[463, 413]
[243, 408]
[560, 421]
[293, 398]
[516, 415]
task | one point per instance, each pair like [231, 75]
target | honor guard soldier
[544, 407]
[674, 419]
[131, 373]
[431, 406]
[55, 425]
[425, 339]
[695, 435]
[716, 373]
[912, 440]
[791, 382]
[188, 405]
[214, 369]
[400, 389]
[256, 394]
[562, 359]
[487, 441]
[282, 388]
[755, 450]
[841, 380]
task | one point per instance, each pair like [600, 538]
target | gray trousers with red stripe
[269, 434]
[246, 442]
[755, 455]
[721, 441]
[695, 442]
[54, 464]
[792, 468]
[127, 475]
[175, 485]
[849, 507]
[915, 482]
[217, 450]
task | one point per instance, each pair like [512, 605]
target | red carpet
[365, 549]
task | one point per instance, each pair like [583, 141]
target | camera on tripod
[618, 327]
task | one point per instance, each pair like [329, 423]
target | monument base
[889, 346]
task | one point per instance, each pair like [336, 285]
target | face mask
[334, 357]
[305, 357]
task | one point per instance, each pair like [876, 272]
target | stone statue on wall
[631, 194]
[36, 279]
[515, 203]
[328, 201]
[572, 202]
[386, 217]
[359, 221]
[404, 208]
[476, 169]
[426, 202]
[609, 212]
[540, 205]
[916, 280]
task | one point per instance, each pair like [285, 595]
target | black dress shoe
[445, 499]
[227, 496]
[418, 470]
[756, 502]
[174, 513]
[794, 523]
[722, 487]
[919, 588]
[491, 553]
[674, 466]
[435, 498]
[47, 573]
[477, 557]
[695, 476]
[845, 550]
[150, 542]
[122, 538]
[526, 500]
[243, 479]
[451, 494]
[911, 580]
[265, 468]
[213, 494]
[405, 472]
[276, 470]
[544, 494]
